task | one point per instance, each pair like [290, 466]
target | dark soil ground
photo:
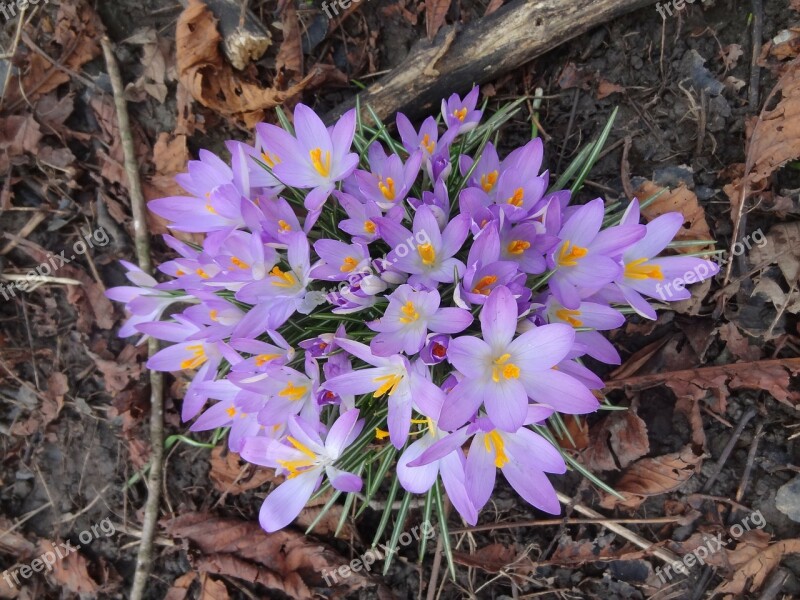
[74, 399]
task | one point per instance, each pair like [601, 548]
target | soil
[74, 399]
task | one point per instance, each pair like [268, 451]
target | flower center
[213, 314]
[237, 262]
[293, 392]
[639, 269]
[516, 199]
[323, 167]
[198, 357]
[438, 350]
[285, 278]
[270, 159]
[348, 264]
[369, 226]
[231, 412]
[202, 273]
[428, 144]
[482, 287]
[210, 209]
[388, 383]
[295, 467]
[568, 255]
[488, 180]
[494, 445]
[460, 114]
[503, 368]
[410, 313]
[568, 316]
[284, 225]
[518, 246]
[262, 359]
[427, 254]
[387, 189]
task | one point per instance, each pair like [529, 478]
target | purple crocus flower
[317, 158]
[360, 223]
[405, 386]
[435, 350]
[460, 115]
[305, 457]
[501, 373]
[428, 252]
[340, 260]
[388, 181]
[410, 314]
[584, 260]
[485, 272]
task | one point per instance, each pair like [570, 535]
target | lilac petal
[506, 404]
[454, 235]
[311, 131]
[357, 382]
[470, 355]
[361, 351]
[480, 473]
[216, 416]
[450, 320]
[416, 480]
[534, 487]
[341, 431]
[461, 404]
[583, 225]
[343, 481]
[560, 391]
[398, 420]
[638, 303]
[499, 318]
[261, 451]
[598, 347]
[446, 445]
[428, 397]
[538, 413]
[532, 452]
[283, 505]
[660, 232]
[452, 469]
[615, 240]
[543, 347]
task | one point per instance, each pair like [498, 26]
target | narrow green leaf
[399, 524]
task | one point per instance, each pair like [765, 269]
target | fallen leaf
[212, 589]
[231, 475]
[730, 55]
[750, 576]
[786, 44]
[180, 587]
[782, 248]
[606, 88]
[290, 54]
[684, 201]
[152, 80]
[435, 13]
[616, 441]
[490, 8]
[492, 558]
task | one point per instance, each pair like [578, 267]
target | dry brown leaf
[730, 55]
[652, 477]
[286, 560]
[155, 53]
[180, 587]
[212, 589]
[786, 44]
[212, 81]
[19, 135]
[231, 475]
[775, 138]
[435, 13]
[72, 573]
[782, 248]
[681, 200]
[490, 8]
[616, 441]
[750, 576]
[606, 88]
[290, 54]
[737, 344]
[492, 558]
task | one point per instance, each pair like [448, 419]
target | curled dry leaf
[231, 475]
[435, 13]
[616, 441]
[684, 201]
[605, 88]
[750, 576]
[782, 248]
[212, 589]
[652, 477]
[212, 81]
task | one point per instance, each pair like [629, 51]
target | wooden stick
[483, 51]
[144, 558]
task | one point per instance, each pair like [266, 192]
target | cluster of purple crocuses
[448, 298]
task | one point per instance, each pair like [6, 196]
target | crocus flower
[501, 373]
[461, 115]
[410, 314]
[340, 260]
[317, 158]
[305, 457]
[393, 376]
[388, 181]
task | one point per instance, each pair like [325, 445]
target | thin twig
[144, 558]
[550, 522]
[726, 452]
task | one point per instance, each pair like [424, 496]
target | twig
[662, 553]
[751, 457]
[550, 522]
[726, 452]
[144, 558]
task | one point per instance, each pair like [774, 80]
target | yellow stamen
[293, 392]
[427, 254]
[263, 359]
[180, 273]
[503, 367]
[380, 434]
[639, 269]
[231, 412]
[494, 444]
[300, 446]
[482, 287]
[568, 257]
[410, 313]
[198, 352]
[568, 316]
[284, 225]
[387, 189]
[202, 273]
[270, 159]
[390, 383]
[239, 263]
[322, 167]
[428, 144]
[285, 279]
[369, 226]
[210, 209]
[213, 314]
[516, 199]
[488, 181]
[518, 246]
[460, 114]
[348, 265]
